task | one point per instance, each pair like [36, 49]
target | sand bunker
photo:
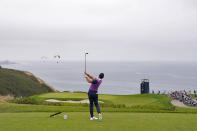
[177, 103]
[70, 101]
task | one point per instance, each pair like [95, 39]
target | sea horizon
[121, 77]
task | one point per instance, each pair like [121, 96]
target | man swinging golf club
[92, 93]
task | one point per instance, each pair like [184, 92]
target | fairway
[141, 113]
[79, 121]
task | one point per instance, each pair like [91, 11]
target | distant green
[148, 101]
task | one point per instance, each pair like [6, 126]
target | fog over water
[120, 77]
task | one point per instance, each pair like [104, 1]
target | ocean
[120, 77]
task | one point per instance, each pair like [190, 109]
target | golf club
[85, 61]
[55, 114]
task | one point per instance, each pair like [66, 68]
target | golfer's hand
[86, 78]
[85, 73]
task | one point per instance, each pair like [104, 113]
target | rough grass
[6, 98]
[79, 121]
[18, 83]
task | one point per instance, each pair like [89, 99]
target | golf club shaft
[85, 62]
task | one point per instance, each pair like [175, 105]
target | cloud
[110, 30]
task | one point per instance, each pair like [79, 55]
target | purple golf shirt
[94, 87]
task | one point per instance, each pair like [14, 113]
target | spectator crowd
[184, 97]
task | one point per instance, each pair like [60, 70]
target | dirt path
[177, 103]
[4, 99]
[70, 101]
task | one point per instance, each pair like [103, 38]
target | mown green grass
[64, 95]
[11, 107]
[79, 121]
[141, 112]
[128, 100]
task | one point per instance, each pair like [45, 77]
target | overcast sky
[142, 30]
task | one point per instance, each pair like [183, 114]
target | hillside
[19, 83]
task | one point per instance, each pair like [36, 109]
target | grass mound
[144, 102]
[19, 83]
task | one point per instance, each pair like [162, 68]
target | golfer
[92, 93]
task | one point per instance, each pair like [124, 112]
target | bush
[25, 101]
